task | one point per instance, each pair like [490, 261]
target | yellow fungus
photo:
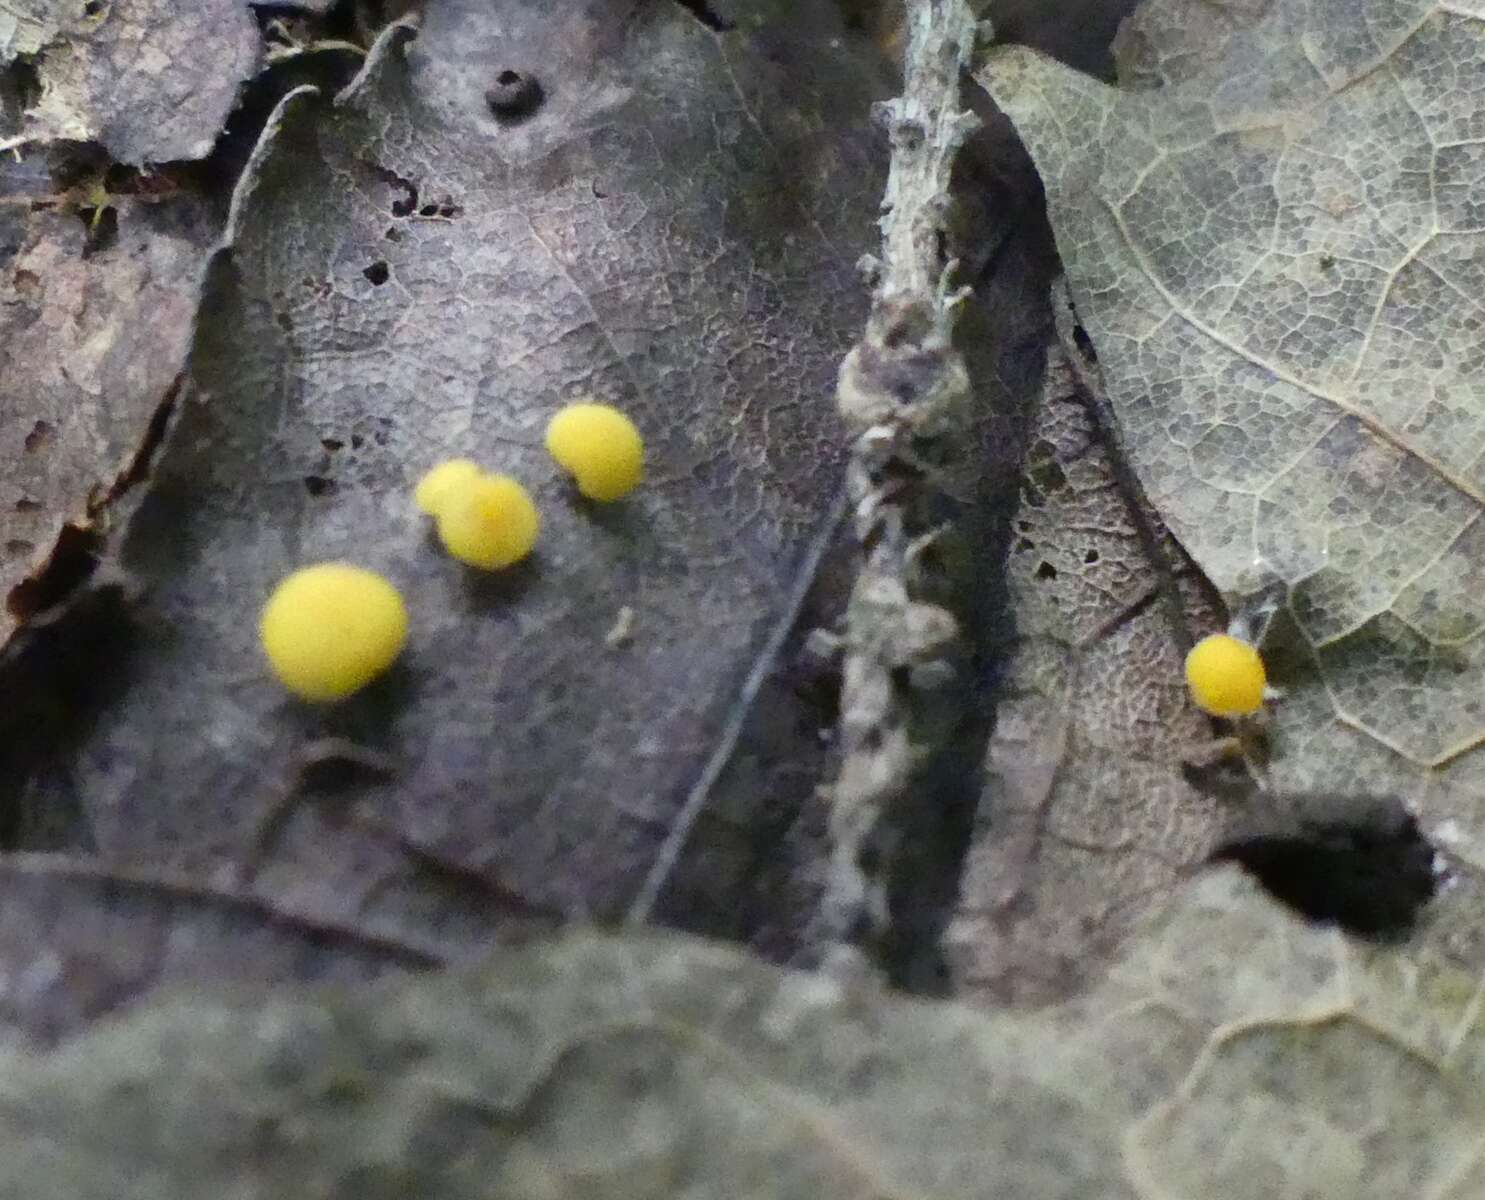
[330, 629]
[489, 522]
[443, 481]
[1225, 675]
[600, 447]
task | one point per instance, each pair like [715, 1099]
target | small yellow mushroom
[1226, 676]
[330, 629]
[489, 522]
[600, 447]
[443, 481]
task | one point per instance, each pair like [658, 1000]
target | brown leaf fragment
[91, 341]
[1086, 819]
[149, 80]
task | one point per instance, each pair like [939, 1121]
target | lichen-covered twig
[906, 394]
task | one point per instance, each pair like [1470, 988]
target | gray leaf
[408, 279]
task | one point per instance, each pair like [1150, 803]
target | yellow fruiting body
[1226, 676]
[444, 481]
[489, 522]
[330, 629]
[600, 447]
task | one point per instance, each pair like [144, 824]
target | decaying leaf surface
[150, 80]
[91, 341]
[78, 942]
[409, 279]
[1087, 819]
[659, 1065]
[1277, 257]
[28, 25]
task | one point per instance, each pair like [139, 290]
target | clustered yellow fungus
[330, 629]
[444, 481]
[599, 447]
[1226, 676]
[489, 522]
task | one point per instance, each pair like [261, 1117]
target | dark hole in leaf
[331, 444]
[428, 210]
[1090, 556]
[1048, 476]
[91, 8]
[1024, 544]
[514, 95]
[40, 434]
[1367, 869]
[393, 234]
[357, 441]
[318, 485]
[377, 273]
[72, 562]
[1045, 570]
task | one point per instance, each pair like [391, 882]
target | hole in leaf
[331, 444]
[1090, 556]
[1368, 870]
[1047, 476]
[41, 433]
[1045, 570]
[318, 485]
[378, 273]
[514, 95]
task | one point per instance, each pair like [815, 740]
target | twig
[906, 394]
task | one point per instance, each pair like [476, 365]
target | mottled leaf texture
[150, 80]
[410, 278]
[1086, 820]
[659, 1066]
[1278, 257]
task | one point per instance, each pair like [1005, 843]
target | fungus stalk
[906, 394]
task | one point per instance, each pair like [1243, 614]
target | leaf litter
[1272, 252]
[408, 277]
